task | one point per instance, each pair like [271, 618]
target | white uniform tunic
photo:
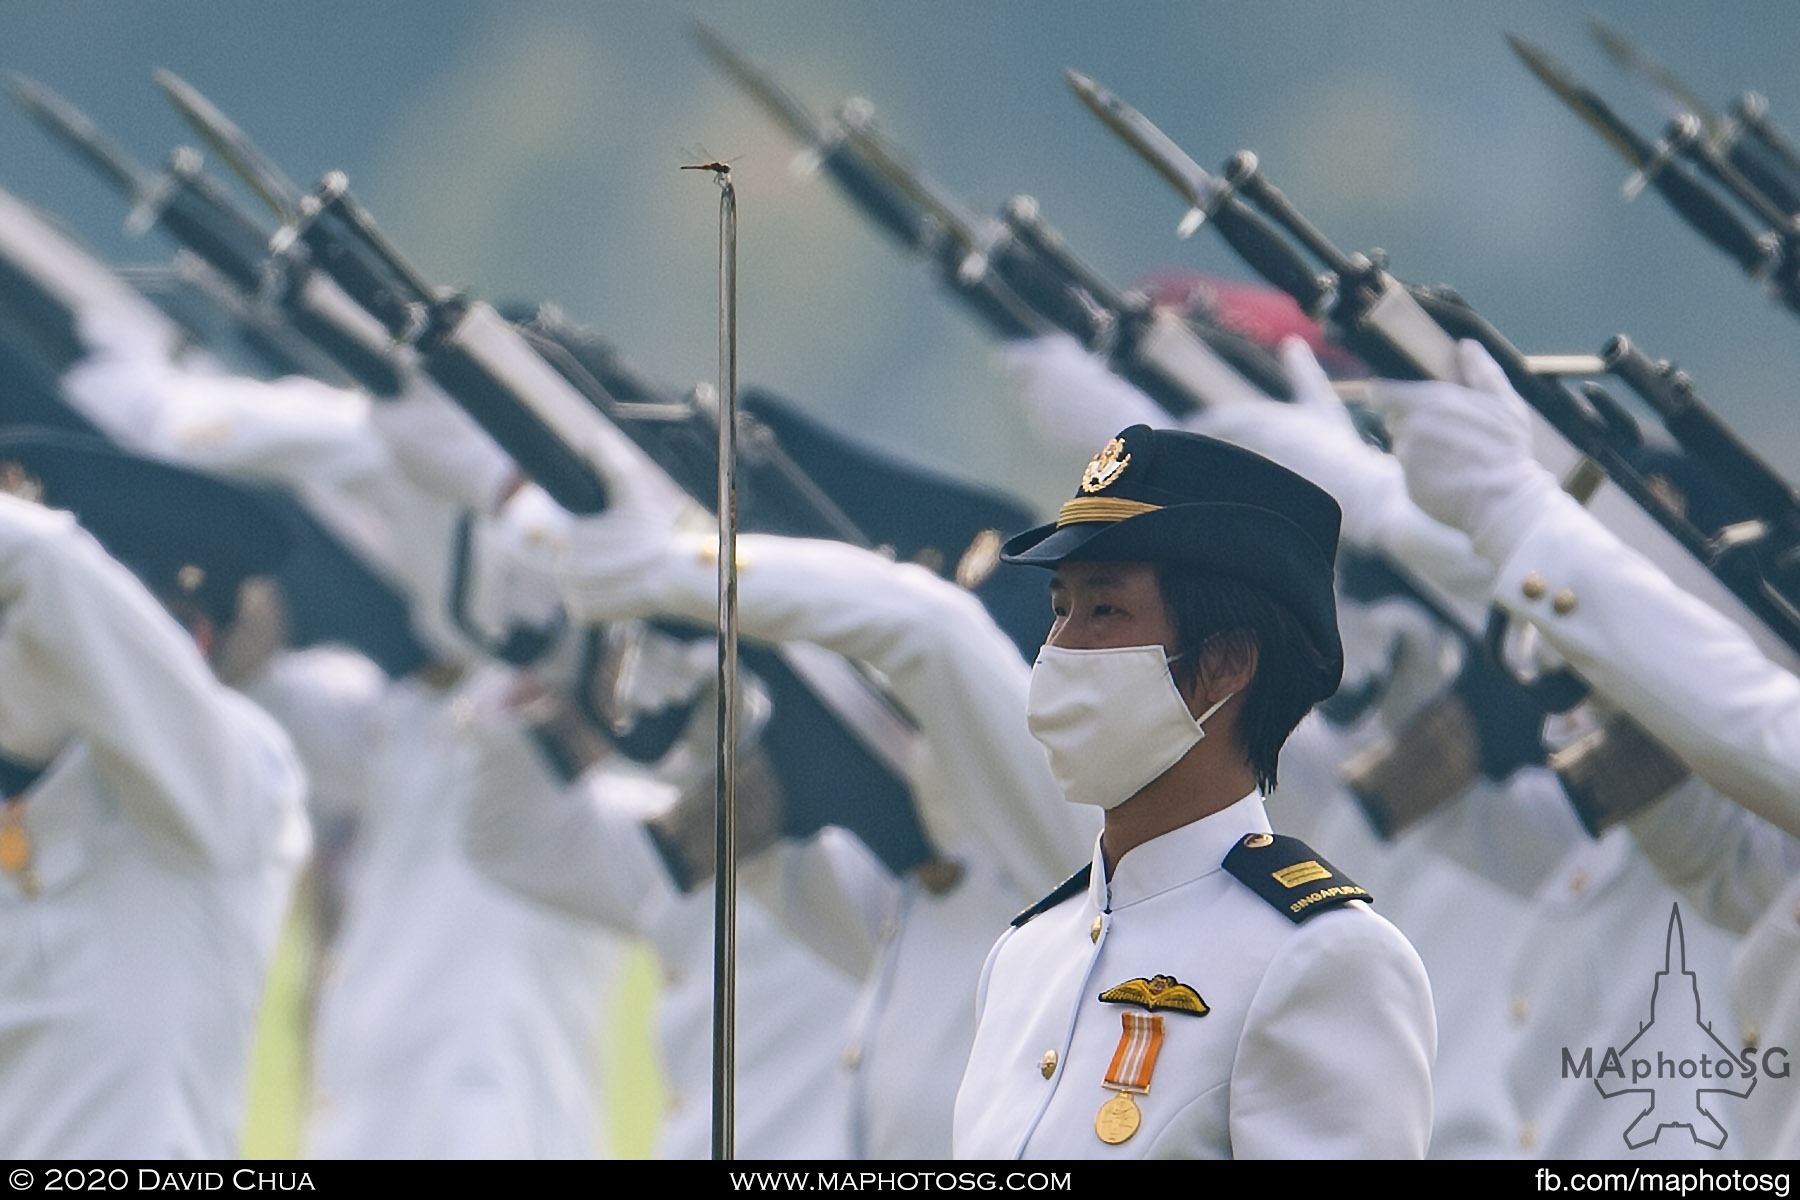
[166, 840]
[455, 1020]
[583, 850]
[1317, 1041]
[981, 783]
[1700, 685]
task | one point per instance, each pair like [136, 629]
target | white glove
[1313, 436]
[515, 554]
[111, 385]
[631, 559]
[1466, 451]
[441, 448]
[1072, 397]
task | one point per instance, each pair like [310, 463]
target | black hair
[1229, 618]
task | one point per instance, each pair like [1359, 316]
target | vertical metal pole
[725, 833]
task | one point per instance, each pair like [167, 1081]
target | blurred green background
[633, 1082]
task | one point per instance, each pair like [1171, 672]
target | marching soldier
[419, 1049]
[153, 825]
[1700, 685]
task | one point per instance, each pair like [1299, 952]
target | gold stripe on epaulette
[1100, 508]
[1299, 873]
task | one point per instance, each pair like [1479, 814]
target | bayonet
[1208, 197]
[1764, 161]
[254, 167]
[1015, 272]
[198, 214]
[1678, 97]
[1411, 332]
[1169, 160]
[776, 100]
[1654, 165]
[143, 187]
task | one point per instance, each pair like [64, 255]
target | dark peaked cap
[1159, 495]
[180, 531]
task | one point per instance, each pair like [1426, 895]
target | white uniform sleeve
[84, 648]
[1314, 436]
[1338, 1047]
[1690, 676]
[1514, 833]
[1731, 864]
[831, 894]
[288, 430]
[580, 848]
[956, 673]
[1072, 397]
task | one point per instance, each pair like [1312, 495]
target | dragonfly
[720, 168]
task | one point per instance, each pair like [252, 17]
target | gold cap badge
[1103, 470]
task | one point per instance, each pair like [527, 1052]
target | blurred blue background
[530, 150]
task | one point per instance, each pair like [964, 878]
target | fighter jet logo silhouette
[1675, 1065]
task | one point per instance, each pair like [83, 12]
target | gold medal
[1117, 1119]
[15, 848]
[1140, 1040]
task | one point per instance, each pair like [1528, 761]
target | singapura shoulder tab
[1285, 872]
[1074, 885]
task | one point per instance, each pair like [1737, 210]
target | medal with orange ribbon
[15, 846]
[1129, 1075]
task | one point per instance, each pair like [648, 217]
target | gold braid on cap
[1100, 508]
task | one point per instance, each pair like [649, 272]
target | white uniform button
[1752, 1035]
[1521, 1008]
[1094, 930]
[852, 1057]
[1578, 883]
[1528, 1136]
[1047, 1064]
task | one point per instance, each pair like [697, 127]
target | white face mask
[1111, 720]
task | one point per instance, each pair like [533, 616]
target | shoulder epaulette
[1285, 872]
[1074, 885]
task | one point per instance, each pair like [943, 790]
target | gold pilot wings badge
[1157, 992]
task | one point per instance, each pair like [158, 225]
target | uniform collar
[1177, 857]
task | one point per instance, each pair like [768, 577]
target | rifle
[1018, 276]
[46, 281]
[1766, 159]
[1014, 272]
[833, 731]
[1749, 177]
[1410, 332]
[200, 216]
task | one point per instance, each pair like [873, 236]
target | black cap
[181, 532]
[1160, 495]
